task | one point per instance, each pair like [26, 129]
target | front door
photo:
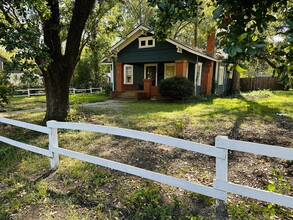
[151, 73]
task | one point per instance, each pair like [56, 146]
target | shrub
[178, 88]
[107, 88]
[3, 95]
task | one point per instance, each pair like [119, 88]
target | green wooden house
[140, 63]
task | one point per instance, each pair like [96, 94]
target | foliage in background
[243, 30]
[3, 95]
[178, 88]
[107, 88]
[246, 32]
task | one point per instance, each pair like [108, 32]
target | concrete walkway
[113, 104]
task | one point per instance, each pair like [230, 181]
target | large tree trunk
[57, 92]
[58, 73]
[235, 87]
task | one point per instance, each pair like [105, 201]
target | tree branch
[81, 12]
[52, 29]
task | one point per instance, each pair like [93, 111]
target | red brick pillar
[147, 85]
[181, 67]
[119, 77]
[207, 78]
[211, 39]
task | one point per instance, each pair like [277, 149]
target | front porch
[145, 77]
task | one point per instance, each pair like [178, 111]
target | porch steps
[127, 96]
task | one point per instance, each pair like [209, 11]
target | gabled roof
[142, 30]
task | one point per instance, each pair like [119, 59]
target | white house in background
[15, 78]
[109, 74]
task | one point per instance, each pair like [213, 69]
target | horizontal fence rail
[221, 184]
[21, 145]
[254, 148]
[145, 136]
[29, 126]
[24, 146]
[253, 193]
[172, 181]
[41, 91]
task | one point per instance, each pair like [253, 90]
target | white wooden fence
[41, 91]
[221, 184]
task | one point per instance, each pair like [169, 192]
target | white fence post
[91, 90]
[73, 90]
[28, 93]
[221, 174]
[53, 142]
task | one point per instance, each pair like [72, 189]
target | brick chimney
[211, 40]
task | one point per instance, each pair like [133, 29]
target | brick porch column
[147, 86]
[119, 77]
[207, 78]
[181, 67]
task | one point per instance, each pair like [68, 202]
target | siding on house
[162, 52]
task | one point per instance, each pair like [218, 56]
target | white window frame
[151, 64]
[198, 66]
[124, 73]
[221, 75]
[169, 64]
[146, 39]
[217, 72]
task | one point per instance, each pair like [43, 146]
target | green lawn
[80, 190]
[24, 103]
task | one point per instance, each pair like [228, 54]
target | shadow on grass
[263, 112]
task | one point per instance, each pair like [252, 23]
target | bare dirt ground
[246, 169]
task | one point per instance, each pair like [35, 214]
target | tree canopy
[50, 34]
[246, 29]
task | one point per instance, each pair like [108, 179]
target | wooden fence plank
[257, 83]
[28, 147]
[25, 125]
[254, 193]
[261, 149]
[170, 141]
[183, 184]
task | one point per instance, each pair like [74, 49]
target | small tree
[178, 88]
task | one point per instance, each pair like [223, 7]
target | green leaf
[259, 45]
[242, 36]
[239, 49]
[240, 69]
[271, 187]
[232, 51]
[254, 38]
[217, 12]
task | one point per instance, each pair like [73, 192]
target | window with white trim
[170, 70]
[128, 74]
[198, 74]
[145, 42]
[221, 75]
